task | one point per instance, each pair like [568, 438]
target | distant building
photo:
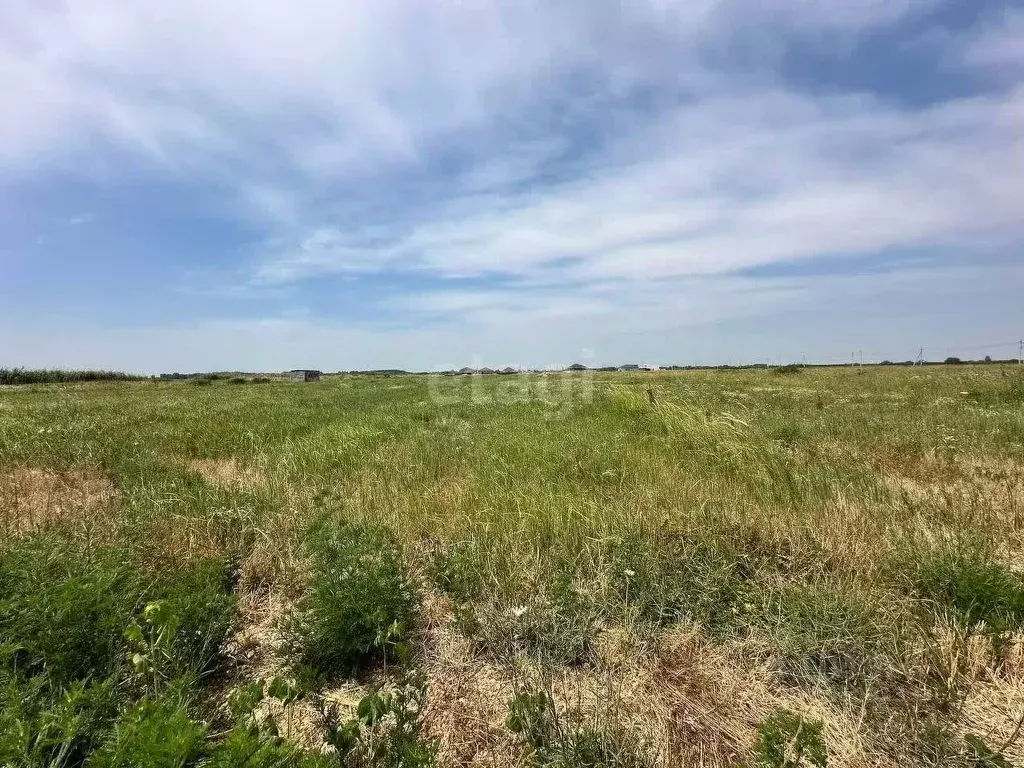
[302, 374]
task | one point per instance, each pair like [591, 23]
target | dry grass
[228, 473]
[33, 498]
[468, 697]
[255, 654]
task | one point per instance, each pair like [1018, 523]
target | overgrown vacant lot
[713, 568]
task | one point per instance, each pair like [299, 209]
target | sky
[428, 184]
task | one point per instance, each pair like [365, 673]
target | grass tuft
[361, 607]
[973, 588]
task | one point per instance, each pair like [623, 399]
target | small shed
[302, 374]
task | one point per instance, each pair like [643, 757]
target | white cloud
[712, 319]
[614, 164]
[723, 185]
[324, 88]
[999, 46]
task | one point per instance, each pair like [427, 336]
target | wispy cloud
[719, 186]
[998, 47]
[503, 171]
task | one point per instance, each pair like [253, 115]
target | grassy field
[663, 569]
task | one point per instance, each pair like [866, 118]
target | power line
[994, 346]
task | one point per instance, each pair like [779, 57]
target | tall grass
[60, 376]
[840, 544]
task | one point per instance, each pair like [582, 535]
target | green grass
[827, 531]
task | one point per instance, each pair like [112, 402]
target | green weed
[154, 732]
[786, 740]
[966, 582]
[361, 606]
[386, 731]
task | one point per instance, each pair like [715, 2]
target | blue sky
[257, 185]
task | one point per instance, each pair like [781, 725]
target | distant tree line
[58, 376]
[955, 361]
[215, 376]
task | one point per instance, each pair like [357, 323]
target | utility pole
[1020, 352]
[920, 357]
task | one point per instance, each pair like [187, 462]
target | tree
[577, 367]
[953, 361]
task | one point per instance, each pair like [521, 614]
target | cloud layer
[468, 173]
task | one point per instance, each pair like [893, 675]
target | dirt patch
[32, 498]
[714, 696]
[701, 701]
[228, 473]
[467, 698]
[987, 491]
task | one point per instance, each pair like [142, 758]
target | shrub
[236, 380]
[152, 733]
[361, 606]
[42, 724]
[786, 370]
[56, 376]
[202, 382]
[63, 611]
[975, 590]
[786, 740]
